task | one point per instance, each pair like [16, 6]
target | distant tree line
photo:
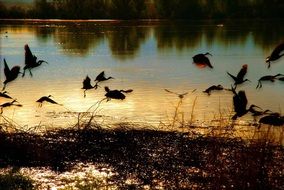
[145, 9]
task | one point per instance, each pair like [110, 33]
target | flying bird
[46, 99]
[10, 74]
[31, 60]
[213, 87]
[273, 119]
[240, 104]
[87, 85]
[181, 96]
[276, 54]
[239, 79]
[101, 77]
[5, 95]
[116, 94]
[202, 60]
[267, 78]
[9, 104]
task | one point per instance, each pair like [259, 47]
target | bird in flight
[46, 99]
[30, 60]
[277, 53]
[10, 74]
[202, 60]
[116, 94]
[239, 79]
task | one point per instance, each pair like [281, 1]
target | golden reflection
[84, 175]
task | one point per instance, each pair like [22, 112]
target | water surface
[147, 57]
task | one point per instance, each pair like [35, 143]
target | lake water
[145, 56]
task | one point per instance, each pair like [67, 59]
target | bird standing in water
[30, 60]
[116, 94]
[46, 99]
[276, 54]
[201, 59]
[239, 79]
[87, 85]
[10, 74]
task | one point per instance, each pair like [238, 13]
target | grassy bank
[150, 158]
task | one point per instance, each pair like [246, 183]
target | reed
[144, 157]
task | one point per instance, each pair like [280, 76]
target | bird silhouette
[239, 79]
[116, 94]
[280, 78]
[240, 104]
[267, 78]
[4, 95]
[10, 74]
[181, 96]
[87, 85]
[276, 54]
[272, 119]
[46, 99]
[101, 77]
[9, 104]
[259, 112]
[202, 60]
[213, 87]
[30, 60]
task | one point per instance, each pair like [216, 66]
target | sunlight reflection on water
[145, 57]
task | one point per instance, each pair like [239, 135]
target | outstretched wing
[7, 70]
[170, 91]
[242, 72]
[240, 102]
[278, 49]
[233, 77]
[126, 91]
[30, 59]
[100, 76]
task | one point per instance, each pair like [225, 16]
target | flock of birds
[32, 62]
[239, 98]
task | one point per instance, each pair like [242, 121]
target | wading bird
[213, 87]
[116, 94]
[276, 54]
[267, 78]
[4, 95]
[8, 104]
[101, 77]
[87, 85]
[181, 96]
[239, 79]
[30, 60]
[10, 75]
[240, 104]
[201, 59]
[46, 99]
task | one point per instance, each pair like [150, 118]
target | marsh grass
[13, 180]
[148, 158]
